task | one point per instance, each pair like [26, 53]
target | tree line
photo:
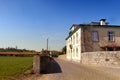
[11, 49]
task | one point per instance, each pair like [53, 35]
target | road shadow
[49, 65]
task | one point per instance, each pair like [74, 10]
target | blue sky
[28, 23]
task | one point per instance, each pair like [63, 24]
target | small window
[73, 39]
[95, 36]
[76, 37]
[76, 52]
[111, 36]
[71, 51]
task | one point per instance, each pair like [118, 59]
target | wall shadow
[48, 65]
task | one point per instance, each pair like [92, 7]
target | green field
[10, 66]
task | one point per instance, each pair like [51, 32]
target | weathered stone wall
[101, 58]
[41, 63]
[36, 64]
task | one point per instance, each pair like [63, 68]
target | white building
[73, 43]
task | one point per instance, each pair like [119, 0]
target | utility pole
[47, 43]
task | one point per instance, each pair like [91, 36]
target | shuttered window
[95, 36]
[111, 36]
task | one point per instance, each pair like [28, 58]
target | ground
[67, 70]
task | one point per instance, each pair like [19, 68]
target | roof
[95, 23]
[74, 25]
[71, 33]
[88, 25]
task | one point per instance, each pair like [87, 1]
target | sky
[28, 23]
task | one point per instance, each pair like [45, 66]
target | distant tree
[64, 50]
[11, 49]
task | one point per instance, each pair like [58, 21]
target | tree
[64, 50]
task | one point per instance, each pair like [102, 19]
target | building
[92, 37]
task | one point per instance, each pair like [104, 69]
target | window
[76, 52]
[69, 52]
[95, 36]
[76, 37]
[73, 39]
[111, 36]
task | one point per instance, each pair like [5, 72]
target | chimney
[102, 22]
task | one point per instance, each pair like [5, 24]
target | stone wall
[41, 63]
[101, 58]
[36, 64]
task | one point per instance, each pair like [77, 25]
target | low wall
[41, 63]
[101, 58]
[45, 64]
[36, 64]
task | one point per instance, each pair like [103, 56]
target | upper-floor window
[73, 39]
[76, 37]
[95, 36]
[111, 36]
[69, 41]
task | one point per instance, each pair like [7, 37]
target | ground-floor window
[73, 52]
[68, 52]
[111, 36]
[76, 52]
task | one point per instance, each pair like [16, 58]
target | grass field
[10, 66]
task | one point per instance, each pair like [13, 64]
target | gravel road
[76, 71]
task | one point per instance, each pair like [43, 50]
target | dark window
[73, 39]
[76, 37]
[111, 36]
[95, 36]
[76, 52]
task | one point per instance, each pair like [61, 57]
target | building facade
[95, 36]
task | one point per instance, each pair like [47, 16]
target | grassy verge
[10, 66]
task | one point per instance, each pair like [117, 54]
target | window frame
[93, 36]
[76, 52]
[73, 39]
[112, 38]
[77, 38]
